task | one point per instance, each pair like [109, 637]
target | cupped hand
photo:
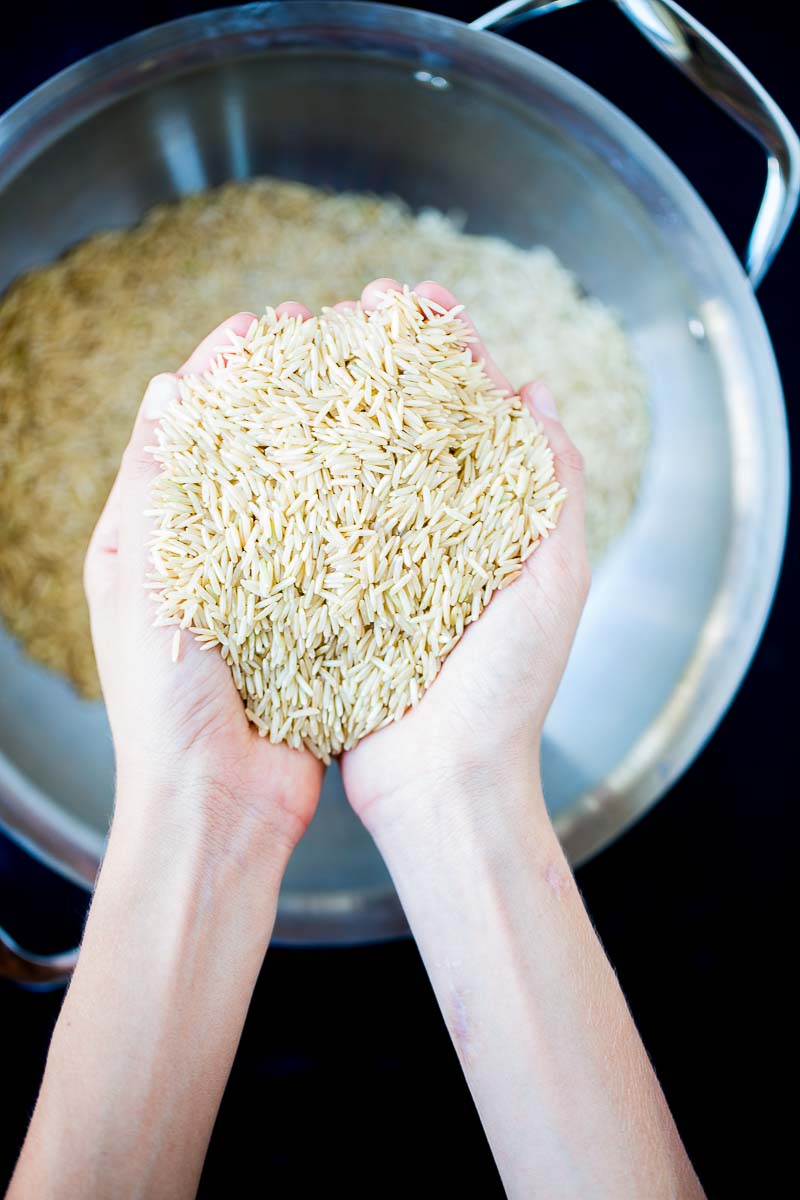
[483, 715]
[179, 728]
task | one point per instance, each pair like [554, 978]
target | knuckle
[571, 459]
[573, 564]
[579, 566]
[137, 463]
[585, 577]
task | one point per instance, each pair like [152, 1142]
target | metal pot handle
[34, 970]
[725, 80]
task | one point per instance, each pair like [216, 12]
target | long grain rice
[338, 499]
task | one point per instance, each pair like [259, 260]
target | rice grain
[352, 552]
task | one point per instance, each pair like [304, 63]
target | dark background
[345, 1076]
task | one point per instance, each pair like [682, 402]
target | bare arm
[206, 817]
[565, 1091]
[150, 1024]
[451, 794]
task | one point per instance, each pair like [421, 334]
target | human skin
[452, 796]
[206, 817]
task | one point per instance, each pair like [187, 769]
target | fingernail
[542, 399]
[161, 391]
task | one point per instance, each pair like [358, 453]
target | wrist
[197, 905]
[465, 813]
[468, 884]
[200, 827]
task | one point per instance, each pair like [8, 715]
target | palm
[493, 690]
[207, 714]
[212, 713]
[184, 719]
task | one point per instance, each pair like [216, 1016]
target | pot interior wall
[509, 163]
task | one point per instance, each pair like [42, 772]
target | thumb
[127, 500]
[139, 468]
[567, 459]
[562, 556]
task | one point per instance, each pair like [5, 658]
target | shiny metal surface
[329, 94]
[514, 12]
[724, 78]
[37, 971]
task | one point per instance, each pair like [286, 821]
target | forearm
[143, 1047]
[565, 1091]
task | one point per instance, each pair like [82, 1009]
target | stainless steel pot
[372, 97]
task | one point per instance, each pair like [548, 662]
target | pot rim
[170, 49]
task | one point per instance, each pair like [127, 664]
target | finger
[139, 468]
[100, 559]
[430, 290]
[375, 292]
[567, 459]
[291, 308]
[129, 493]
[105, 535]
[217, 342]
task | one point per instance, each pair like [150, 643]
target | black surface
[345, 1075]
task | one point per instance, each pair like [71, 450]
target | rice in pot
[80, 338]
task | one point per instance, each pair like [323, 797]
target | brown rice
[80, 337]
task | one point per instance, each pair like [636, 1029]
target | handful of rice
[338, 499]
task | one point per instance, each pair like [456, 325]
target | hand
[484, 713]
[206, 816]
[179, 728]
